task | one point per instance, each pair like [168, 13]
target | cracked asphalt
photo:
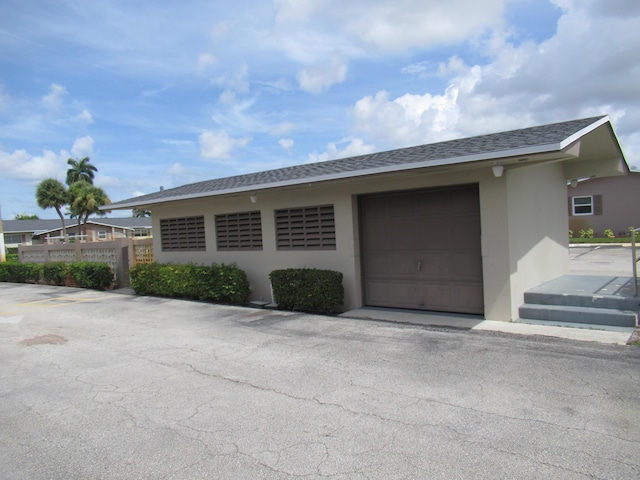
[99, 385]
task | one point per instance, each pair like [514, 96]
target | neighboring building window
[185, 233]
[583, 205]
[141, 232]
[102, 235]
[12, 238]
[586, 205]
[308, 228]
[239, 231]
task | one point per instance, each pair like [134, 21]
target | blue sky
[163, 93]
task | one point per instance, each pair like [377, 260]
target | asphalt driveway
[110, 386]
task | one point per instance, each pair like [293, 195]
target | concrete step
[577, 314]
[583, 300]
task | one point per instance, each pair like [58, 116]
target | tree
[136, 212]
[51, 193]
[24, 216]
[85, 199]
[80, 170]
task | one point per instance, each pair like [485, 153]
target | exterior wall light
[574, 182]
[253, 197]
[498, 169]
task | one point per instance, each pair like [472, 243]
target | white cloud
[286, 143]
[82, 147]
[320, 77]
[205, 62]
[409, 119]
[176, 169]
[390, 26]
[520, 85]
[20, 165]
[233, 83]
[353, 148]
[84, 117]
[53, 100]
[219, 145]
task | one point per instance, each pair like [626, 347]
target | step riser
[587, 316]
[615, 303]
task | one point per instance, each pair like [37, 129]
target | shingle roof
[523, 141]
[47, 225]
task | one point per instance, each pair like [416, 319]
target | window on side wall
[239, 231]
[102, 235]
[182, 234]
[306, 228]
[586, 205]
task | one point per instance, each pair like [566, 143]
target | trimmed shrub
[98, 276]
[20, 272]
[55, 273]
[307, 290]
[217, 283]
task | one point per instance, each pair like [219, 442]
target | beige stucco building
[460, 226]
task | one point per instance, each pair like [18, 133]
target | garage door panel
[394, 294]
[430, 203]
[464, 266]
[421, 249]
[470, 298]
[401, 206]
[434, 266]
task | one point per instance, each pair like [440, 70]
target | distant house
[464, 226]
[605, 203]
[33, 232]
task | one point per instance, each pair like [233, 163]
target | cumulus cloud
[320, 77]
[286, 143]
[84, 117]
[219, 145]
[353, 147]
[82, 147]
[409, 119]
[520, 84]
[53, 100]
[20, 165]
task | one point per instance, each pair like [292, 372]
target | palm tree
[80, 170]
[51, 193]
[85, 199]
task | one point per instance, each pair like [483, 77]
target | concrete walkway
[595, 269]
[585, 333]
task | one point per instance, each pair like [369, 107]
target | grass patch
[600, 240]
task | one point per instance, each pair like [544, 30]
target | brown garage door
[421, 249]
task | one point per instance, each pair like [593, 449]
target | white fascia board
[588, 129]
[548, 148]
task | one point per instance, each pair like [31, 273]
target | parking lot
[111, 386]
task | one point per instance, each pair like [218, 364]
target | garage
[421, 249]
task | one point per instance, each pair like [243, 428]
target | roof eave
[538, 149]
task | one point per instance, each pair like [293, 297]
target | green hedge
[97, 276]
[307, 290]
[20, 272]
[217, 283]
[94, 275]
